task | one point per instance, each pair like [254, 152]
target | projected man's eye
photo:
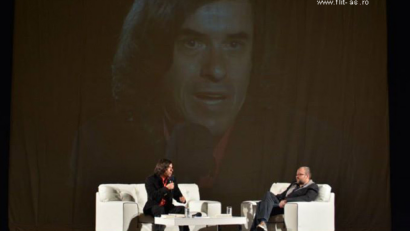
[235, 45]
[193, 44]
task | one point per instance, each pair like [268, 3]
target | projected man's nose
[214, 65]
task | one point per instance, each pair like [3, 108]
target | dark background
[7, 12]
[398, 52]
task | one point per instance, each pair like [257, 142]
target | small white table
[208, 221]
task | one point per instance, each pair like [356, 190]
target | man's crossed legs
[268, 206]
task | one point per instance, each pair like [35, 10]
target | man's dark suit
[269, 205]
[156, 192]
[308, 193]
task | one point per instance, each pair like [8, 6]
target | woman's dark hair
[162, 166]
[146, 45]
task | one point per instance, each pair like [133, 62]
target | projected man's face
[212, 64]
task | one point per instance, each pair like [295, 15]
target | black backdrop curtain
[6, 64]
[399, 85]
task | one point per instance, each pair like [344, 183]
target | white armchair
[119, 207]
[318, 215]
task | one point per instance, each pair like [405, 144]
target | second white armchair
[318, 215]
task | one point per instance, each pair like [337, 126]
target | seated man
[303, 189]
[161, 189]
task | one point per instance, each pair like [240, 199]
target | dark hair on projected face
[145, 50]
[162, 166]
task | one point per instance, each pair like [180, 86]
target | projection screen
[237, 93]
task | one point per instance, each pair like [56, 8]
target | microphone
[171, 179]
[198, 214]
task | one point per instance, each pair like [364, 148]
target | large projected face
[212, 65]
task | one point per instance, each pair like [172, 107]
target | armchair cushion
[278, 188]
[142, 196]
[142, 218]
[108, 193]
[324, 192]
[207, 208]
[126, 196]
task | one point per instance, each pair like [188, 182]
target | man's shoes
[262, 227]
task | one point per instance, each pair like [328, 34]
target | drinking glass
[229, 210]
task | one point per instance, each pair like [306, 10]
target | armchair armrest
[250, 202]
[248, 210]
[211, 208]
[309, 216]
[176, 203]
[115, 215]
